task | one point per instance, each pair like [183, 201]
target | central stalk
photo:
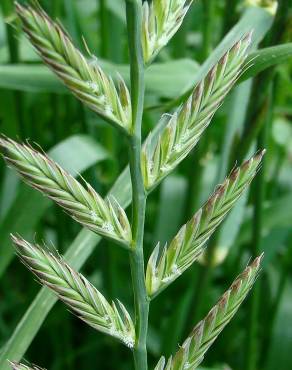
[134, 19]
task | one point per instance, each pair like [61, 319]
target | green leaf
[172, 201]
[23, 219]
[159, 79]
[265, 58]
[275, 214]
[39, 79]
[117, 7]
[279, 356]
[29, 78]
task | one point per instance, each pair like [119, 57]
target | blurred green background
[34, 106]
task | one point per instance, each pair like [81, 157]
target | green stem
[133, 8]
[286, 265]
[208, 31]
[258, 224]
[56, 8]
[257, 108]
[195, 174]
[13, 47]
[104, 36]
[230, 15]
[180, 41]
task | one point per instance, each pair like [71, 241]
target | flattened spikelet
[104, 217]
[185, 127]
[86, 80]
[77, 292]
[189, 243]
[161, 20]
[193, 350]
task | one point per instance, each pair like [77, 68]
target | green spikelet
[77, 292]
[104, 217]
[161, 20]
[193, 350]
[185, 127]
[86, 80]
[189, 243]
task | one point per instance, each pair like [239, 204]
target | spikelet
[189, 243]
[85, 80]
[77, 292]
[104, 217]
[161, 19]
[18, 366]
[193, 350]
[185, 127]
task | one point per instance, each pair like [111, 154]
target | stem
[208, 32]
[104, 36]
[261, 85]
[133, 8]
[230, 15]
[13, 47]
[277, 301]
[258, 222]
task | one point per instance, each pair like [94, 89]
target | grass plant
[120, 104]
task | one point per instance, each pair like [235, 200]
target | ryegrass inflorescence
[150, 27]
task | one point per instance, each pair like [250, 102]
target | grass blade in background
[265, 58]
[39, 79]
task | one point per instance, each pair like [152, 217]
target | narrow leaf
[262, 59]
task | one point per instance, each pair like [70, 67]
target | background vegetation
[258, 112]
